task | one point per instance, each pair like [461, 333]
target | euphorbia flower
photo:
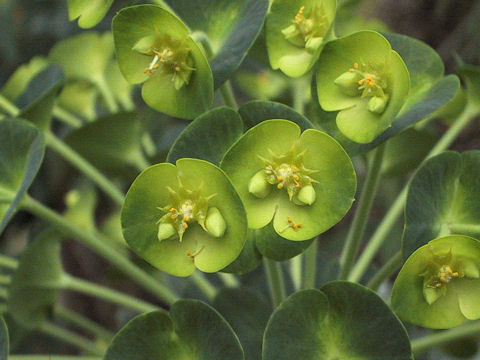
[363, 78]
[304, 182]
[296, 32]
[154, 47]
[439, 284]
[185, 216]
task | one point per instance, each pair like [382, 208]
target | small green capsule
[431, 295]
[165, 231]
[258, 186]
[348, 83]
[377, 104]
[307, 195]
[215, 223]
[145, 45]
[313, 44]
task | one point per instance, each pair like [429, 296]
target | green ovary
[285, 172]
[308, 29]
[168, 57]
[365, 81]
[187, 207]
[441, 270]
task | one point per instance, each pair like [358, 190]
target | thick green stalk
[203, 284]
[227, 94]
[396, 209]
[84, 167]
[67, 117]
[8, 106]
[464, 228]
[100, 247]
[276, 284]
[296, 271]
[107, 95]
[357, 228]
[310, 271]
[229, 280]
[444, 337]
[70, 338]
[83, 323]
[102, 292]
[8, 262]
[387, 270]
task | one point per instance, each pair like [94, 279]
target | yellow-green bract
[304, 182]
[183, 217]
[439, 284]
[154, 47]
[363, 78]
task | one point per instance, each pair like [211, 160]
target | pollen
[355, 65]
[292, 224]
[173, 217]
[186, 218]
[188, 253]
[290, 220]
[172, 210]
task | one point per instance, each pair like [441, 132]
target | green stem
[204, 285]
[8, 262]
[464, 228]
[310, 271]
[70, 338]
[357, 229]
[387, 270]
[296, 271]
[77, 161]
[9, 106]
[276, 284]
[396, 209]
[83, 323]
[226, 89]
[107, 95]
[100, 247]
[67, 117]
[227, 94]
[229, 280]
[444, 337]
[113, 296]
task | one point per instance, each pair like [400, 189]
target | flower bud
[348, 83]
[215, 223]
[307, 195]
[165, 230]
[258, 186]
[377, 104]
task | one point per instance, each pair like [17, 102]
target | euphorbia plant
[204, 203]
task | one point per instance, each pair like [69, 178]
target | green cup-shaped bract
[192, 330]
[180, 251]
[89, 13]
[153, 47]
[296, 31]
[363, 78]
[439, 283]
[321, 162]
[342, 321]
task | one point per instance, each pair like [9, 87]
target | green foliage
[340, 321]
[21, 154]
[3, 340]
[443, 198]
[88, 12]
[192, 330]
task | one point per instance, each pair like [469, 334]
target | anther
[186, 218]
[355, 65]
